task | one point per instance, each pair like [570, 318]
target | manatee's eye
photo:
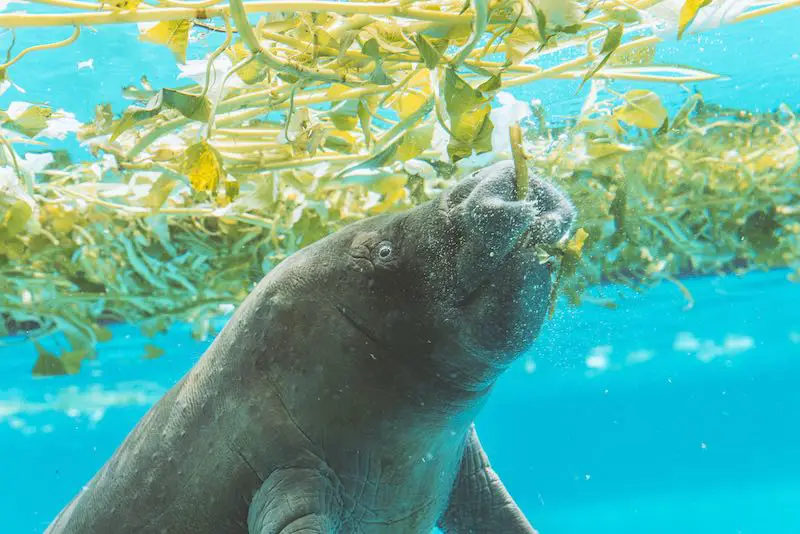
[385, 251]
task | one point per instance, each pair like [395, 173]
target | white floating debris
[599, 357]
[734, 344]
[88, 64]
[685, 342]
[640, 356]
[530, 366]
[709, 350]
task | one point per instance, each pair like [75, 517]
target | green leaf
[426, 50]
[32, 121]
[610, 44]
[378, 160]
[623, 14]
[15, 219]
[642, 109]
[541, 25]
[102, 333]
[151, 352]
[160, 191]
[254, 71]
[47, 364]
[309, 227]
[415, 142]
[365, 118]
[191, 106]
[372, 49]
[379, 77]
[760, 230]
[73, 359]
[468, 108]
[174, 34]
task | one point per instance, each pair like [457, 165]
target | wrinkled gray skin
[340, 396]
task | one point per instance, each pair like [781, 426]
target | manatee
[341, 395]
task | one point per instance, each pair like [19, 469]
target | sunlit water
[646, 419]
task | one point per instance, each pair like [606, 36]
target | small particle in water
[88, 64]
[530, 366]
[703, 445]
[428, 457]
[47, 429]
[587, 476]
[73, 412]
[491, 254]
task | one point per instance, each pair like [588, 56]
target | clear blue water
[643, 420]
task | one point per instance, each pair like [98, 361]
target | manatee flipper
[479, 503]
[293, 501]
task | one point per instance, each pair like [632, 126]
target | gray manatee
[340, 397]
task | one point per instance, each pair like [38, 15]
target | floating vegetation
[325, 112]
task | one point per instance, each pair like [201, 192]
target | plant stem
[184, 13]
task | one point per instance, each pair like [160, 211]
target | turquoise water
[644, 420]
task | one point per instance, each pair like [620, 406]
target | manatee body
[340, 396]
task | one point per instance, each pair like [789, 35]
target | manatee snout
[494, 224]
[503, 289]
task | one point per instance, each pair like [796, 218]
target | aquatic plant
[334, 111]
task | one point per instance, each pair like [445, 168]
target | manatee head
[453, 284]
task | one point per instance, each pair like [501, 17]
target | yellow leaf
[688, 13]
[415, 142]
[252, 72]
[231, 188]
[124, 4]
[33, 120]
[203, 166]
[389, 201]
[151, 352]
[642, 109]
[575, 245]
[174, 34]
[391, 184]
[336, 90]
[601, 149]
[159, 191]
[15, 219]
[409, 103]
[62, 221]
